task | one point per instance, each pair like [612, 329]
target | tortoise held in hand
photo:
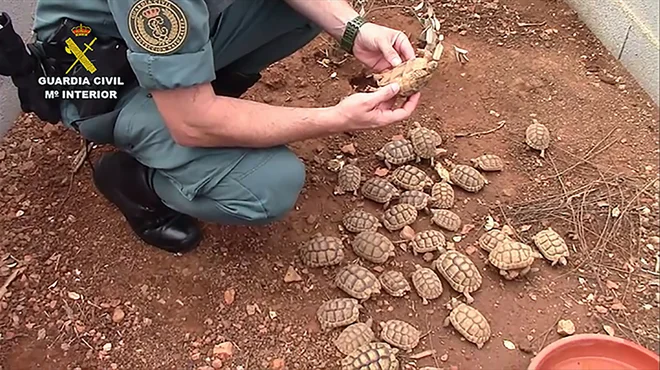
[413, 74]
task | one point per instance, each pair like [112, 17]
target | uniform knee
[282, 179]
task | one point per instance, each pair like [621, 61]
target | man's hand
[364, 111]
[380, 48]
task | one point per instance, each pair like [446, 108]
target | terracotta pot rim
[582, 338]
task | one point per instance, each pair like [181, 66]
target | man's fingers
[388, 117]
[403, 45]
[389, 53]
[387, 105]
[384, 94]
[411, 103]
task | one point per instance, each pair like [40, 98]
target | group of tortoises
[408, 186]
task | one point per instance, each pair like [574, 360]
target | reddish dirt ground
[70, 240]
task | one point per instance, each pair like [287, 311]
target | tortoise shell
[442, 194]
[400, 334]
[372, 356]
[467, 178]
[359, 220]
[425, 141]
[446, 219]
[357, 281]
[426, 283]
[394, 283]
[460, 272]
[349, 179]
[322, 251]
[396, 152]
[373, 247]
[537, 136]
[428, 241]
[379, 190]
[411, 75]
[513, 255]
[552, 246]
[493, 238]
[488, 162]
[353, 337]
[409, 177]
[470, 323]
[398, 216]
[416, 198]
[338, 312]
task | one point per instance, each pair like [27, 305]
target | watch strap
[350, 33]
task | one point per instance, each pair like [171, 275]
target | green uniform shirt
[169, 41]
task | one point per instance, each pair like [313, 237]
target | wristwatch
[350, 33]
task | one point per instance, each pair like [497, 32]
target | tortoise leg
[525, 271]
[563, 261]
[386, 204]
[542, 153]
[447, 322]
[504, 273]
[425, 301]
[388, 165]
[512, 275]
[468, 298]
[479, 345]
[554, 263]
[432, 162]
[355, 192]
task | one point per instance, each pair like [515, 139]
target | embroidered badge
[158, 26]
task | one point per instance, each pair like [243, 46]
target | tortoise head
[453, 303]
[380, 155]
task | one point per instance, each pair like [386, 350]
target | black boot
[126, 183]
[233, 84]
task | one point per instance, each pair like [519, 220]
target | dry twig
[10, 278]
[463, 134]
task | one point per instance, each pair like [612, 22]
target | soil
[82, 265]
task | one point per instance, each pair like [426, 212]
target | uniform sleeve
[168, 41]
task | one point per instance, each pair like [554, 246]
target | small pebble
[428, 257]
[565, 327]
[118, 315]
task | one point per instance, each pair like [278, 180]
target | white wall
[628, 28]
[21, 13]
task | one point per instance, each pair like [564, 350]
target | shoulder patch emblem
[158, 26]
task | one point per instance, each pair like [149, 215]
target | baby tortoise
[426, 283]
[418, 199]
[537, 136]
[358, 282]
[446, 219]
[322, 251]
[442, 194]
[492, 239]
[354, 336]
[428, 241]
[373, 247]
[394, 283]
[513, 259]
[409, 177]
[413, 74]
[552, 246]
[425, 142]
[349, 179]
[338, 312]
[400, 334]
[398, 216]
[396, 152]
[358, 220]
[461, 273]
[488, 162]
[372, 356]
[380, 191]
[467, 178]
[469, 322]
